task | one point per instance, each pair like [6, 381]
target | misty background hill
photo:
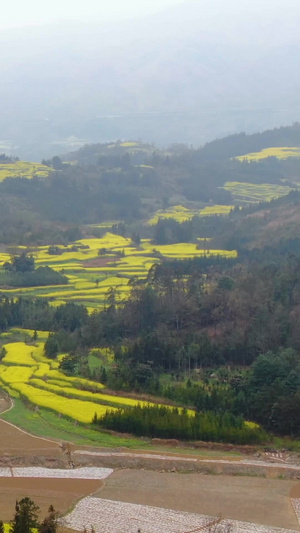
[191, 73]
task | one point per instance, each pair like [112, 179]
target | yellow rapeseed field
[254, 193]
[23, 169]
[26, 372]
[91, 275]
[86, 395]
[16, 374]
[18, 353]
[181, 213]
[281, 152]
[83, 411]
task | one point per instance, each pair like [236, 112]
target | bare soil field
[295, 491]
[263, 501]
[16, 442]
[61, 493]
[99, 262]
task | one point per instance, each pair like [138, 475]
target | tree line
[172, 423]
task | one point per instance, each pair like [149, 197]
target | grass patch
[47, 424]
[201, 452]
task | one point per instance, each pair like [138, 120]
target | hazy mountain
[187, 74]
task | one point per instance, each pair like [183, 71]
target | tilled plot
[239, 498]
[58, 487]
[14, 441]
[108, 516]
[61, 493]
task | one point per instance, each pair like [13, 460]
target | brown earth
[99, 262]
[15, 442]
[61, 493]
[263, 501]
[295, 491]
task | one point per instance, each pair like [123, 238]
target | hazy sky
[24, 13]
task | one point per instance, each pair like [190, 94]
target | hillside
[136, 182]
[241, 144]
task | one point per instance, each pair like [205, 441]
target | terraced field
[181, 213]
[246, 193]
[25, 372]
[92, 274]
[23, 169]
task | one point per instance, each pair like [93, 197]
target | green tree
[3, 353]
[136, 238]
[23, 263]
[26, 516]
[51, 347]
[57, 163]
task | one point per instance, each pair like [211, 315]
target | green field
[46, 423]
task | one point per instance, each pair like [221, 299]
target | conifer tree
[26, 516]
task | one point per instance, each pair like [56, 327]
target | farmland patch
[280, 152]
[245, 193]
[181, 213]
[23, 169]
[247, 499]
[115, 516]
[102, 264]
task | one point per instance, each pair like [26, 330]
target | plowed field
[254, 499]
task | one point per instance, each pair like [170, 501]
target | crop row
[85, 395]
[254, 193]
[83, 411]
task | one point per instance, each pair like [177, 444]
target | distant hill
[271, 226]
[240, 144]
[109, 153]
[188, 74]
